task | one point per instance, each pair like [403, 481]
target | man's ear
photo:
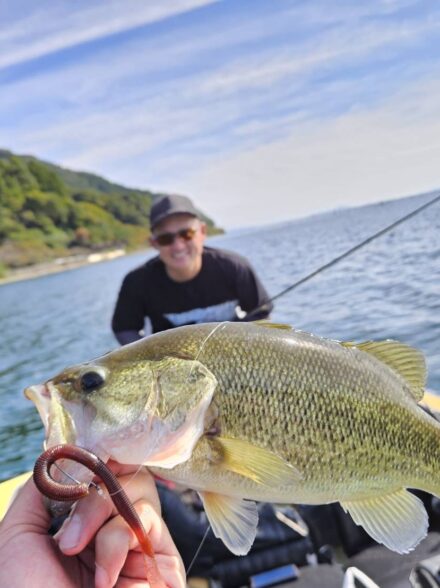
[153, 243]
[203, 229]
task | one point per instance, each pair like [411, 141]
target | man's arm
[128, 317]
[259, 313]
[125, 337]
[253, 298]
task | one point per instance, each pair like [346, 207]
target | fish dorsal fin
[260, 465]
[403, 359]
[269, 325]
[233, 520]
[398, 520]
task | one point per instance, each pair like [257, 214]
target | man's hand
[94, 547]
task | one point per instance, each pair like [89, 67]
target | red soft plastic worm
[72, 492]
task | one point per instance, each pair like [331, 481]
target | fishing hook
[72, 492]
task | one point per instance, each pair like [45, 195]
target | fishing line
[92, 483]
[219, 326]
[198, 550]
[125, 485]
[340, 257]
[299, 283]
[97, 486]
[66, 474]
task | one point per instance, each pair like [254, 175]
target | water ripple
[390, 289]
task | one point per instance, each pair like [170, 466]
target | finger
[92, 511]
[172, 570]
[112, 545]
[115, 541]
[170, 567]
[173, 578]
[129, 474]
[27, 508]
[128, 583]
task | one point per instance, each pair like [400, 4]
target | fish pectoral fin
[233, 520]
[408, 362]
[398, 520]
[259, 464]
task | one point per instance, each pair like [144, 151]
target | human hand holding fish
[245, 412]
[94, 547]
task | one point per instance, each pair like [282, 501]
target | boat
[366, 557]
[8, 489]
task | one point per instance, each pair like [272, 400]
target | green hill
[47, 211]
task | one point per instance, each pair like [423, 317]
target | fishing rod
[301, 281]
[337, 259]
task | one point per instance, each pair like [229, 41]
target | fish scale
[241, 411]
[376, 421]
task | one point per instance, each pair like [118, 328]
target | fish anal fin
[233, 520]
[259, 464]
[398, 520]
[403, 359]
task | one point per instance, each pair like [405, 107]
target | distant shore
[60, 264]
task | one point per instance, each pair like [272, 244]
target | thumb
[27, 510]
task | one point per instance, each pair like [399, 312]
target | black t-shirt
[225, 281]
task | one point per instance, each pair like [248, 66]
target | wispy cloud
[220, 87]
[72, 24]
[356, 157]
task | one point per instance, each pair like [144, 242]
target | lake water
[389, 289]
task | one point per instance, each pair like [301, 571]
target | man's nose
[179, 242]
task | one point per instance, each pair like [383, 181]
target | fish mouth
[37, 390]
[60, 430]
[58, 424]
[40, 395]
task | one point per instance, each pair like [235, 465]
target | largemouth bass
[245, 412]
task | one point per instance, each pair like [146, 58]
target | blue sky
[259, 110]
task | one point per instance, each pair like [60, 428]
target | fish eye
[90, 381]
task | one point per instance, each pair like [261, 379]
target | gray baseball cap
[168, 205]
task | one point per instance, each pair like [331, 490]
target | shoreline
[62, 264]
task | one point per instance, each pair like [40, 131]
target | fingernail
[101, 577]
[69, 536]
[65, 524]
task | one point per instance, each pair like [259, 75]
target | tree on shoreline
[48, 212]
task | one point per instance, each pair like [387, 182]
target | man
[187, 282]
